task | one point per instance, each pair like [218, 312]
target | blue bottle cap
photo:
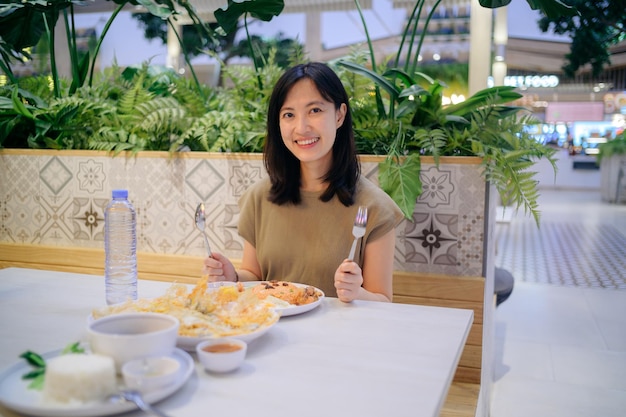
[120, 193]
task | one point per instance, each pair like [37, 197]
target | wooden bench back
[449, 291]
[158, 267]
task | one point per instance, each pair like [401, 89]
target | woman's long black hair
[283, 167]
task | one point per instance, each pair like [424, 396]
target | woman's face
[309, 123]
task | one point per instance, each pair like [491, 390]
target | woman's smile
[307, 141]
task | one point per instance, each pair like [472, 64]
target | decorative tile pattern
[55, 175]
[446, 235]
[87, 219]
[60, 200]
[564, 253]
[19, 187]
[56, 212]
[204, 180]
[437, 238]
[437, 187]
[243, 176]
[91, 177]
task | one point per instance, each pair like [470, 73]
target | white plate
[15, 394]
[292, 310]
[189, 343]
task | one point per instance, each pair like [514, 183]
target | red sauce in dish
[221, 348]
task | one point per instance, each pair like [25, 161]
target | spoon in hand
[200, 224]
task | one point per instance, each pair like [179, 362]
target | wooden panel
[438, 286]
[471, 356]
[179, 268]
[475, 336]
[461, 401]
[467, 375]
[87, 258]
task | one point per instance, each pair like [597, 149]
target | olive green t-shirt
[306, 243]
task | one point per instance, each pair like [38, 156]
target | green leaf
[21, 26]
[378, 79]
[73, 348]
[482, 98]
[37, 383]
[414, 91]
[263, 10]
[19, 106]
[34, 359]
[494, 4]
[34, 373]
[83, 69]
[155, 8]
[407, 107]
[403, 76]
[551, 8]
[401, 180]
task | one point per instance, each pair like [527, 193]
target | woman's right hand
[219, 268]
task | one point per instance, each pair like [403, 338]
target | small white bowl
[221, 355]
[150, 374]
[128, 336]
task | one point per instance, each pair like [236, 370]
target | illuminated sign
[528, 81]
[534, 81]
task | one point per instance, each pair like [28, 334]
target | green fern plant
[408, 104]
[483, 126]
[228, 131]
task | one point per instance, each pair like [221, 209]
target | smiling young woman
[297, 224]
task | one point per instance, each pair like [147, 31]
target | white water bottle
[120, 248]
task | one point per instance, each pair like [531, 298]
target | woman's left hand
[348, 281]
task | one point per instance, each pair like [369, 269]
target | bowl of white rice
[128, 336]
[76, 379]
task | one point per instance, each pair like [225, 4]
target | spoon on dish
[201, 224]
[135, 397]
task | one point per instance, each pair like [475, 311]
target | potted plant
[417, 124]
[612, 160]
[31, 115]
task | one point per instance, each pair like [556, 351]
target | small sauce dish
[151, 373]
[221, 355]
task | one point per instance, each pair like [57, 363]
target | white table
[357, 359]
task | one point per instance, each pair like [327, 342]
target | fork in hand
[358, 230]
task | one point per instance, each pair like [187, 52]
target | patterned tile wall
[58, 198]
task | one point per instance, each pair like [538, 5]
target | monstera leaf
[264, 10]
[551, 8]
[22, 22]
